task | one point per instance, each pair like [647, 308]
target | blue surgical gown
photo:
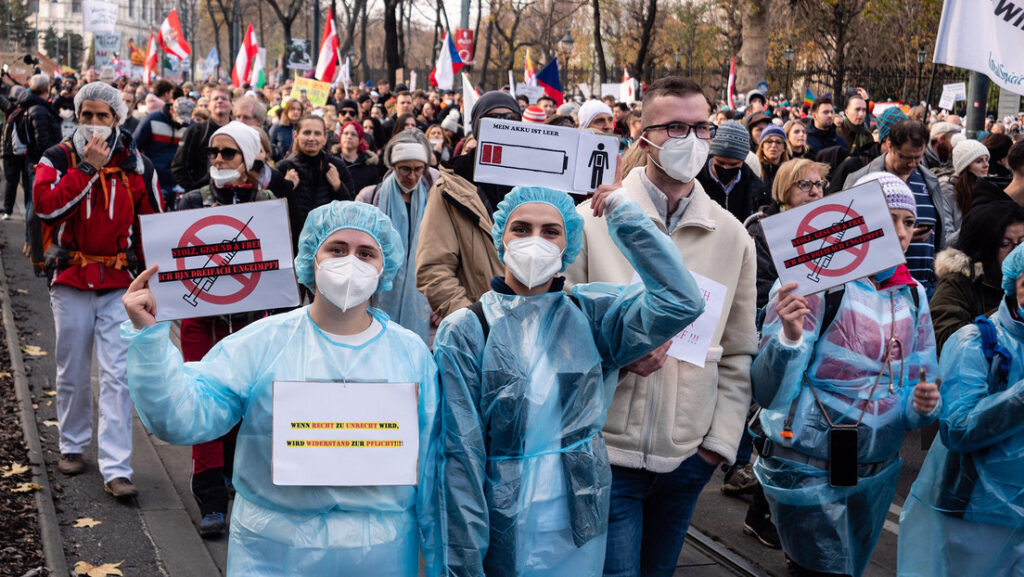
[526, 479]
[965, 513]
[826, 528]
[293, 530]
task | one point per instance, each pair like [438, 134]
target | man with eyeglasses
[250, 111]
[727, 178]
[456, 261]
[90, 190]
[671, 423]
[904, 156]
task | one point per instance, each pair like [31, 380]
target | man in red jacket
[90, 190]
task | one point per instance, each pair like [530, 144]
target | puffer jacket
[365, 170]
[961, 294]
[657, 422]
[41, 123]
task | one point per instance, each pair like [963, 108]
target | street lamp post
[788, 55]
[922, 57]
[567, 41]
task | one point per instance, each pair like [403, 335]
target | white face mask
[89, 130]
[222, 177]
[435, 141]
[346, 281]
[533, 260]
[681, 158]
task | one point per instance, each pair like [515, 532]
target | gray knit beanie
[731, 141]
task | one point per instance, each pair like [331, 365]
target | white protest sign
[221, 260]
[531, 92]
[517, 153]
[345, 434]
[985, 37]
[105, 46]
[99, 16]
[692, 343]
[826, 243]
[951, 94]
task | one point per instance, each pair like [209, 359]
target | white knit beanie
[407, 151]
[967, 152]
[245, 136]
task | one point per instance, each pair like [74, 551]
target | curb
[49, 528]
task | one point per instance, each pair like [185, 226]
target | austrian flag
[171, 38]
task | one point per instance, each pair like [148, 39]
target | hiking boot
[212, 525]
[121, 488]
[761, 527]
[71, 464]
[739, 479]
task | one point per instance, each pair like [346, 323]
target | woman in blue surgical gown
[347, 252]
[965, 513]
[527, 375]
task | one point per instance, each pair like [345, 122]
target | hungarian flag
[448, 65]
[171, 38]
[259, 64]
[548, 78]
[529, 74]
[327, 61]
[732, 84]
[152, 60]
[242, 73]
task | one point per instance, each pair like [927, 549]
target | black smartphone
[842, 457]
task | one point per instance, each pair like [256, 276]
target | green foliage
[16, 30]
[56, 46]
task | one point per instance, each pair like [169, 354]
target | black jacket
[821, 139]
[42, 125]
[766, 273]
[748, 194]
[190, 167]
[313, 189]
[365, 171]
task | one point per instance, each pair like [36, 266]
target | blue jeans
[650, 513]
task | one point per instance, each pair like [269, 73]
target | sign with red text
[829, 242]
[220, 260]
[345, 434]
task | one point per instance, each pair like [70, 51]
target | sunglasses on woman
[227, 154]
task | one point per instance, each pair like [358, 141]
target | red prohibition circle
[191, 238]
[859, 252]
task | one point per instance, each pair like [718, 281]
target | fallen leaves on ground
[33, 351]
[86, 522]
[50, 393]
[14, 469]
[83, 568]
[25, 488]
[5, 375]
[21, 291]
[51, 423]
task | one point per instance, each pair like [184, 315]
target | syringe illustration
[206, 283]
[825, 261]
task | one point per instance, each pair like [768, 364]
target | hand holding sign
[600, 198]
[791, 308]
[138, 300]
[926, 395]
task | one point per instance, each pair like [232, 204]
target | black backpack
[15, 121]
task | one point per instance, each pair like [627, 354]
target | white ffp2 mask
[533, 260]
[346, 281]
[681, 158]
[88, 131]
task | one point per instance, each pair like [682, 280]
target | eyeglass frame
[806, 184]
[711, 127]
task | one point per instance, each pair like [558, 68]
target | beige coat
[456, 258]
[657, 422]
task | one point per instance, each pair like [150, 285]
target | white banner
[99, 16]
[104, 47]
[951, 94]
[985, 37]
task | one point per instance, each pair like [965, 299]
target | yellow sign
[316, 91]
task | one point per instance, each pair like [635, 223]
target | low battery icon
[520, 157]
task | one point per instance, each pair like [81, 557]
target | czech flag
[448, 65]
[548, 78]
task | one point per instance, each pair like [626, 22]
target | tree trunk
[639, 65]
[487, 54]
[752, 64]
[602, 69]
[364, 26]
[391, 56]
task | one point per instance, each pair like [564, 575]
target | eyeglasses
[806, 185]
[347, 112]
[502, 115]
[906, 158]
[1007, 243]
[408, 170]
[227, 154]
[774, 142]
[704, 130]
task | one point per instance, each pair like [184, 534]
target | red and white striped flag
[327, 61]
[732, 84]
[242, 73]
[171, 38]
[152, 60]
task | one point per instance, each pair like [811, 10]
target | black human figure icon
[599, 162]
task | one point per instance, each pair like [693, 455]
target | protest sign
[221, 260]
[692, 343]
[99, 16]
[826, 243]
[531, 92]
[316, 91]
[516, 153]
[105, 48]
[345, 434]
[299, 55]
[985, 37]
[951, 94]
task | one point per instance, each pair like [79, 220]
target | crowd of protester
[558, 435]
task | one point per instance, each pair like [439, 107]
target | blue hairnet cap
[1013, 267]
[325, 220]
[521, 195]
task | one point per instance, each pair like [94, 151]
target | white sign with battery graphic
[527, 154]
